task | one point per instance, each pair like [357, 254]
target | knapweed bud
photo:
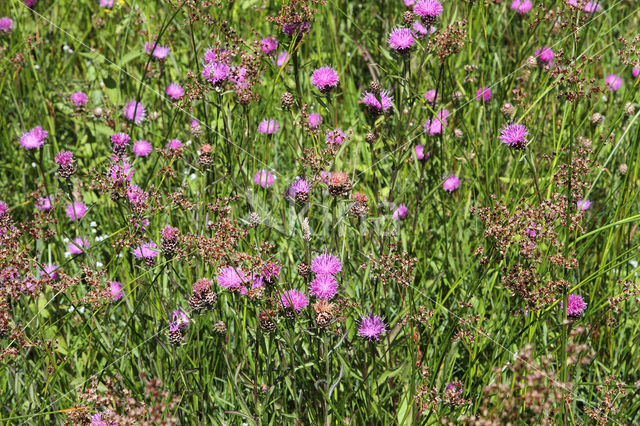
[287, 100]
[203, 297]
[254, 219]
[266, 320]
[304, 270]
[508, 110]
[375, 87]
[66, 164]
[532, 62]
[169, 241]
[408, 17]
[629, 109]
[370, 137]
[457, 133]
[597, 118]
[339, 184]
[220, 327]
[205, 158]
[622, 169]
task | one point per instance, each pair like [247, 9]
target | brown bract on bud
[508, 110]
[287, 100]
[375, 87]
[408, 17]
[339, 184]
[205, 158]
[370, 137]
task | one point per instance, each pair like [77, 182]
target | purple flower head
[325, 79]
[378, 106]
[428, 10]
[136, 195]
[575, 306]
[294, 299]
[268, 126]
[232, 278]
[371, 327]
[521, 7]
[430, 96]
[195, 127]
[583, 205]
[6, 25]
[134, 111]
[180, 319]
[483, 94]
[76, 210]
[451, 183]
[326, 263]
[401, 212]
[324, 286]
[293, 28]
[282, 59]
[401, 40]
[147, 250]
[420, 31]
[64, 158]
[30, 3]
[214, 54]
[335, 137]
[409, 3]
[514, 135]
[120, 140]
[544, 55]
[157, 51]
[271, 271]
[79, 99]
[239, 78]
[108, 4]
[299, 186]
[592, 6]
[115, 289]
[34, 138]
[420, 154]
[78, 245]
[50, 272]
[44, 204]
[142, 148]
[169, 233]
[4, 209]
[437, 124]
[216, 73]
[174, 91]
[613, 82]
[268, 45]
[264, 178]
[635, 72]
[174, 145]
[120, 172]
[314, 120]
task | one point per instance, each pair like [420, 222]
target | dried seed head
[457, 133]
[287, 100]
[375, 87]
[596, 118]
[408, 17]
[629, 109]
[220, 327]
[254, 219]
[532, 62]
[622, 169]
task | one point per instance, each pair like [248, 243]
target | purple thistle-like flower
[157, 51]
[521, 7]
[430, 96]
[142, 148]
[148, 250]
[120, 140]
[324, 286]
[34, 138]
[174, 91]
[120, 172]
[6, 24]
[76, 210]
[264, 178]
[420, 154]
[335, 137]
[635, 72]
[613, 82]
[325, 79]
[451, 183]
[314, 120]
[268, 45]
[514, 135]
[326, 263]
[575, 306]
[420, 31]
[78, 245]
[268, 126]
[371, 327]
[174, 145]
[180, 319]
[428, 10]
[79, 99]
[583, 205]
[44, 204]
[592, 6]
[293, 28]
[294, 299]
[401, 40]
[544, 55]
[134, 111]
[436, 125]
[483, 94]
[50, 272]
[282, 59]
[108, 4]
[64, 158]
[232, 278]
[115, 289]
[299, 186]
[136, 195]
[378, 106]
[401, 212]
[216, 73]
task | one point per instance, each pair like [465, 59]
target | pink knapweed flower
[64, 158]
[420, 154]
[592, 6]
[335, 137]
[314, 120]
[216, 73]
[325, 79]
[76, 210]
[142, 148]
[401, 212]
[428, 10]
[324, 286]
[451, 183]
[148, 250]
[268, 126]
[483, 94]
[282, 59]
[420, 31]
[134, 111]
[264, 178]
[50, 272]
[174, 145]
[575, 306]
[371, 327]
[294, 299]
[44, 204]
[157, 51]
[121, 171]
[115, 289]
[521, 7]
[174, 91]
[79, 99]
[268, 45]
[401, 40]
[78, 245]
[326, 263]
[120, 140]
[583, 205]
[514, 135]
[232, 278]
[437, 124]
[375, 105]
[613, 82]
[34, 138]
[544, 55]
[6, 24]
